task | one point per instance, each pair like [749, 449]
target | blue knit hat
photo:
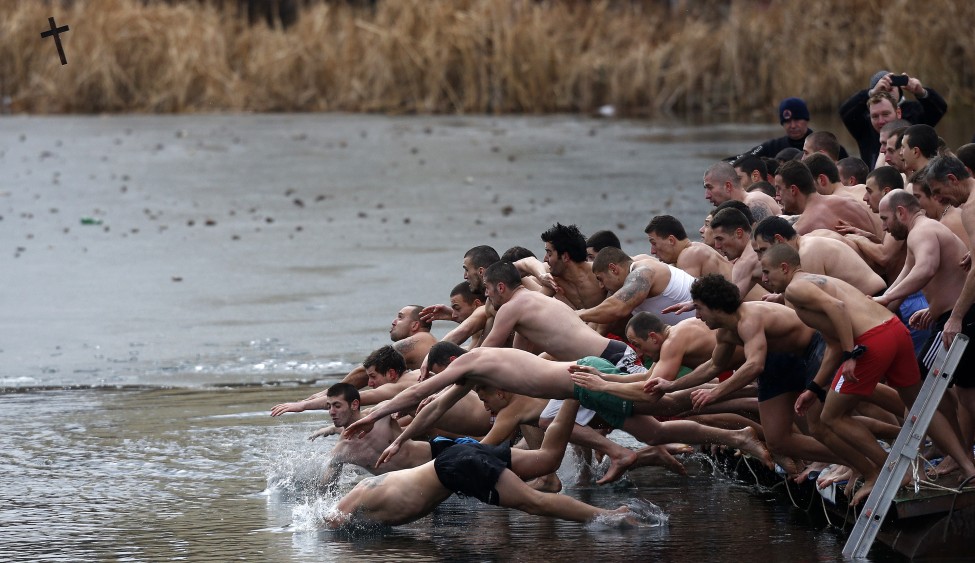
[792, 108]
[877, 76]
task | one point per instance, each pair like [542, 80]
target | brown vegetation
[479, 56]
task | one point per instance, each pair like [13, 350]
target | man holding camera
[866, 112]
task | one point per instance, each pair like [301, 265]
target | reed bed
[735, 58]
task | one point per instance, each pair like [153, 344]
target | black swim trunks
[964, 375]
[786, 373]
[473, 470]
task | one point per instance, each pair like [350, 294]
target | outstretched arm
[408, 398]
[619, 305]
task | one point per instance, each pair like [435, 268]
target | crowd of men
[797, 331]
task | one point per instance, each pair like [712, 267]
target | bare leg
[651, 431]
[777, 419]
[849, 439]
[513, 493]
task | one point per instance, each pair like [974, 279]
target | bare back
[826, 212]
[945, 285]
[365, 451]
[784, 331]
[699, 259]
[809, 294]
[761, 205]
[550, 325]
[835, 259]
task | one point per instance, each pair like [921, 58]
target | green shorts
[611, 408]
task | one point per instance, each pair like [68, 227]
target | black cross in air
[57, 39]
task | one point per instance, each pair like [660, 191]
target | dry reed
[479, 56]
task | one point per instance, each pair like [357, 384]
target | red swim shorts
[890, 355]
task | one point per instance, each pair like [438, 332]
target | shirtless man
[569, 274]
[492, 474]
[732, 237]
[951, 182]
[864, 344]
[796, 192]
[827, 176]
[722, 183]
[505, 368]
[947, 214]
[648, 285]
[781, 352]
[819, 255]
[545, 323]
[669, 243]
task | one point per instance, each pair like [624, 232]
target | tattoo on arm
[759, 211]
[405, 346]
[634, 286]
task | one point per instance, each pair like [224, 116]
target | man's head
[794, 118]
[407, 323]
[949, 180]
[664, 232]
[823, 170]
[563, 244]
[918, 185]
[384, 365]
[714, 297]
[720, 182]
[516, 253]
[764, 187]
[494, 399]
[740, 206]
[892, 154]
[707, 235]
[600, 240]
[463, 302]
[442, 354]
[732, 232]
[779, 265]
[896, 210]
[880, 181]
[611, 267]
[750, 169]
[822, 142]
[771, 231]
[919, 145]
[853, 170]
[883, 108]
[476, 260]
[645, 333]
[501, 279]
[793, 182]
[966, 154]
[343, 403]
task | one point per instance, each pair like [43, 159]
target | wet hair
[384, 359]
[716, 292]
[665, 226]
[464, 290]
[566, 238]
[819, 163]
[903, 198]
[441, 352]
[601, 239]
[764, 187]
[516, 253]
[795, 173]
[788, 154]
[741, 206]
[781, 252]
[721, 172]
[966, 154]
[940, 166]
[767, 228]
[607, 256]
[771, 165]
[415, 317]
[887, 177]
[643, 323]
[749, 164]
[730, 220]
[482, 256]
[347, 391]
[924, 137]
[826, 142]
[853, 166]
[502, 272]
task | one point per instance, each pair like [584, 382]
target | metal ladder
[904, 450]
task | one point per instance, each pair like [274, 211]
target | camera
[899, 80]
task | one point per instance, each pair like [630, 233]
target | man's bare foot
[676, 449]
[834, 474]
[851, 483]
[947, 465]
[789, 465]
[618, 466]
[864, 491]
[628, 517]
[748, 442]
[650, 455]
[547, 484]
